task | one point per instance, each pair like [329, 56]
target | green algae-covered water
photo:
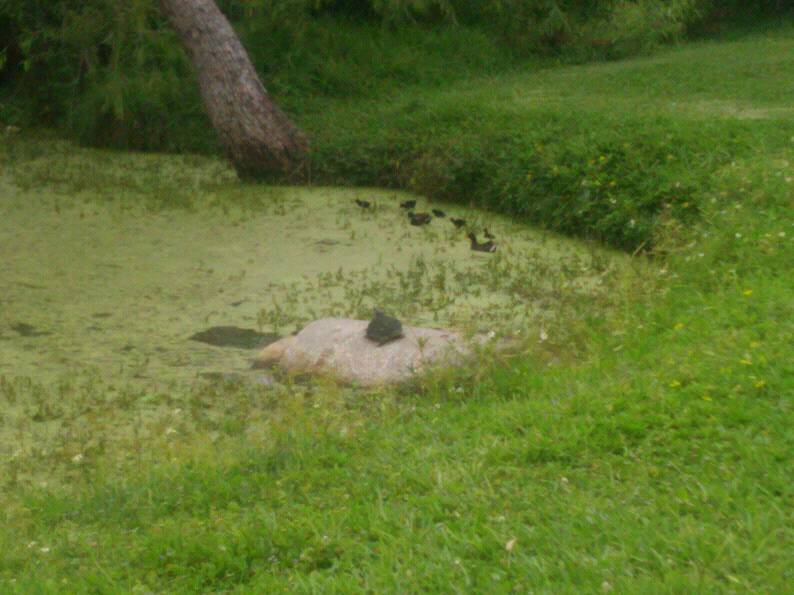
[112, 262]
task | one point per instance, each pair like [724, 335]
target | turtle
[384, 328]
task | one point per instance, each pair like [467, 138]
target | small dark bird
[364, 204]
[457, 222]
[408, 204]
[489, 235]
[488, 246]
[383, 328]
[439, 213]
[419, 218]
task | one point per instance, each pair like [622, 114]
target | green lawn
[650, 450]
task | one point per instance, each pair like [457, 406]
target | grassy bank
[609, 151]
[648, 452]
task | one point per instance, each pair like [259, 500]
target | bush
[108, 73]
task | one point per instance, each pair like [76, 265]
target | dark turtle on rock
[439, 213]
[384, 328]
[457, 222]
[364, 204]
[408, 204]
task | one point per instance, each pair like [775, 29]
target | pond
[103, 271]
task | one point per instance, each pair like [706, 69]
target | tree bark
[256, 135]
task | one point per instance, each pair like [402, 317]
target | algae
[109, 279]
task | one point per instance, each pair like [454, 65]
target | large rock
[338, 348]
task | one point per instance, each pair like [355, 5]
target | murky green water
[92, 277]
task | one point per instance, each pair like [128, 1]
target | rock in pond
[338, 348]
[232, 336]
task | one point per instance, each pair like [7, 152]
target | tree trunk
[255, 133]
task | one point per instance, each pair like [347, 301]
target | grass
[649, 452]
[606, 151]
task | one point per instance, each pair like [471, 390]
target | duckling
[488, 246]
[408, 204]
[439, 213]
[457, 222]
[489, 235]
[419, 218]
[364, 204]
[383, 328]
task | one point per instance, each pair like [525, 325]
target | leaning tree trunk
[257, 136]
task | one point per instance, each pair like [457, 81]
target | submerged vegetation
[641, 441]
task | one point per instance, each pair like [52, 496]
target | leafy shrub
[109, 73]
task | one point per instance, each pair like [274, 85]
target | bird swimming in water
[488, 246]
[408, 204]
[364, 204]
[439, 213]
[489, 235]
[383, 328]
[457, 222]
[419, 218]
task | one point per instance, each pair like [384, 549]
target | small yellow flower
[678, 326]
[602, 158]
[706, 398]
[760, 383]
[748, 292]
[675, 384]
